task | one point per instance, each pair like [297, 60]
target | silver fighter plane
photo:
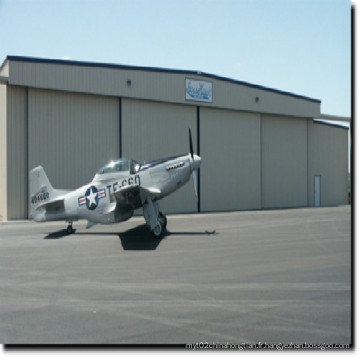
[118, 188]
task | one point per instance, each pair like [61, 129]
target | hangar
[261, 148]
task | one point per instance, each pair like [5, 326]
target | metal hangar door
[152, 130]
[71, 135]
[230, 151]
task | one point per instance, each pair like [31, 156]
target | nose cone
[196, 162]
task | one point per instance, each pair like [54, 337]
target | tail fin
[40, 188]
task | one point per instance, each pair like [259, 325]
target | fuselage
[95, 201]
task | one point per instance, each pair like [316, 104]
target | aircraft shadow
[138, 238]
[58, 234]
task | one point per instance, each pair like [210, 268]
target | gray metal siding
[16, 153]
[152, 130]
[257, 146]
[284, 162]
[72, 135]
[230, 170]
[328, 152]
[3, 153]
[251, 99]
[156, 86]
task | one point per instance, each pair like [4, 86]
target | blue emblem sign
[92, 197]
[197, 90]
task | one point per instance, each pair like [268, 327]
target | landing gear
[70, 229]
[154, 218]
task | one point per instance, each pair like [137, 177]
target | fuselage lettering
[109, 187]
[115, 186]
[133, 180]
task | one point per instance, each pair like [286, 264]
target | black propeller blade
[191, 144]
[192, 156]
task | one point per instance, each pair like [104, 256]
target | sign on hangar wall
[197, 90]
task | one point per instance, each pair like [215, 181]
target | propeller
[195, 183]
[194, 163]
[191, 145]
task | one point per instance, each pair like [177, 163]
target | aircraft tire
[159, 231]
[163, 220]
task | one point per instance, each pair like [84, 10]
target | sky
[299, 46]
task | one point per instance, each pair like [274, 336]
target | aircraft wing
[133, 196]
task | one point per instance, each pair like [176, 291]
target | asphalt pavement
[275, 277]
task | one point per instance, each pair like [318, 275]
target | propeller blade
[192, 164]
[191, 144]
[195, 182]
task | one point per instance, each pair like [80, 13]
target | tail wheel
[70, 229]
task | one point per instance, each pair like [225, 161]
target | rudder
[40, 188]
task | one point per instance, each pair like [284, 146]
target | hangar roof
[331, 123]
[151, 83]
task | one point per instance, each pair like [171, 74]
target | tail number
[38, 197]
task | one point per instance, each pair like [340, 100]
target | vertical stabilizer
[40, 188]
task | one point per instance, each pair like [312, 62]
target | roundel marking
[92, 198]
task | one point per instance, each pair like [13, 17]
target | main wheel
[160, 228]
[163, 220]
[70, 229]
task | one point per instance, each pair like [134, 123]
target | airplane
[117, 189]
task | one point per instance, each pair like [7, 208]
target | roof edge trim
[331, 124]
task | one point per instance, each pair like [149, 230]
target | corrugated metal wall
[17, 187]
[250, 160]
[328, 149]
[155, 85]
[152, 130]
[72, 135]
[230, 170]
[284, 162]
[3, 152]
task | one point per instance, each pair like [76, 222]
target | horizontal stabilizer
[52, 206]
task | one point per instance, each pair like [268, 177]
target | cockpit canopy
[120, 165]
